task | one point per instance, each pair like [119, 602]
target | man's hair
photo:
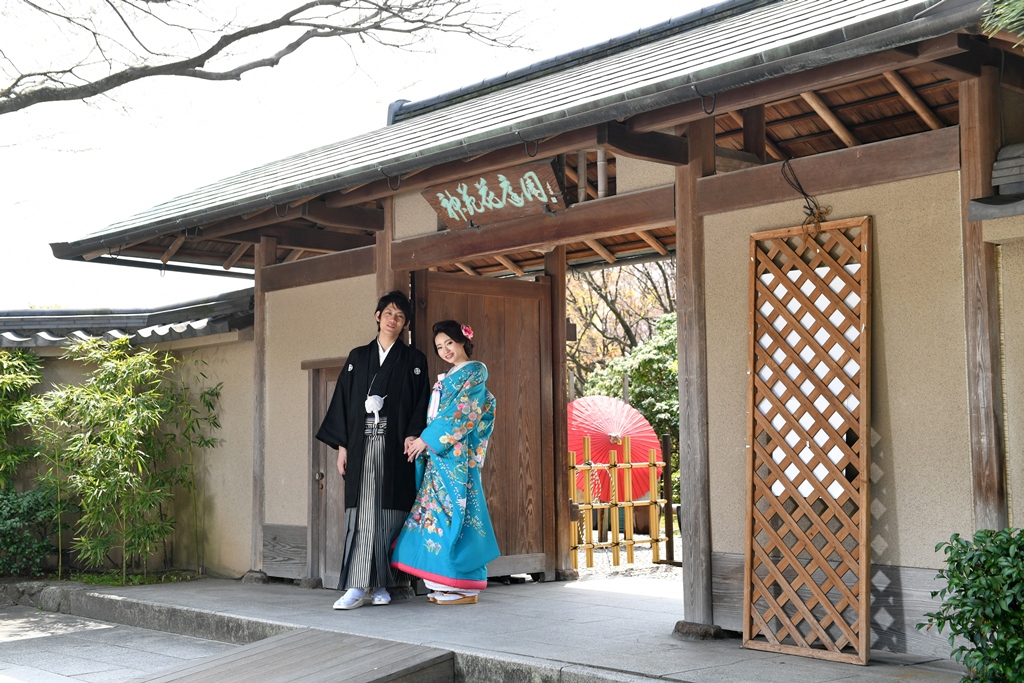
[401, 302]
[453, 329]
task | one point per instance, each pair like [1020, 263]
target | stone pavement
[611, 629]
[46, 647]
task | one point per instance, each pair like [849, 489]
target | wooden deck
[309, 656]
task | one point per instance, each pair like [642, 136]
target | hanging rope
[813, 211]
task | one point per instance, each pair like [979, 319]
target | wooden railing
[588, 507]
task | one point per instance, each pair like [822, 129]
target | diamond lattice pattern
[808, 552]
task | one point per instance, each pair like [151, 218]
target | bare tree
[56, 50]
[615, 310]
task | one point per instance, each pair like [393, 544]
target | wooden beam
[617, 215]
[755, 140]
[770, 146]
[511, 265]
[912, 156]
[264, 218]
[238, 253]
[468, 270]
[660, 148]
[653, 241]
[1013, 72]
[293, 255]
[173, 249]
[266, 255]
[914, 100]
[327, 268]
[555, 268]
[349, 217]
[979, 143]
[600, 250]
[793, 84]
[300, 202]
[382, 256]
[308, 238]
[454, 170]
[695, 519]
[830, 119]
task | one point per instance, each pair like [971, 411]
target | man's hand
[342, 459]
[414, 446]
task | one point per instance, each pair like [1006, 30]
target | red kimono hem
[437, 578]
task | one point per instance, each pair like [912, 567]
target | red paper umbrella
[606, 421]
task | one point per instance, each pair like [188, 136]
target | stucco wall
[305, 323]
[224, 473]
[636, 174]
[1011, 272]
[413, 216]
[921, 473]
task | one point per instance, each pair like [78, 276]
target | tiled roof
[731, 44]
[217, 315]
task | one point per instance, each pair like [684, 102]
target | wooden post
[555, 268]
[386, 279]
[666, 488]
[694, 488]
[979, 143]
[266, 255]
[754, 135]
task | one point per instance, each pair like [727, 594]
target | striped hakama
[370, 530]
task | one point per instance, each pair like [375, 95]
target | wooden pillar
[754, 136]
[266, 255]
[386, 279]
[555, 268]
[979, 143]
[694, 488]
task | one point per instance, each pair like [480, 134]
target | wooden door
[327, 493]
[511, 321]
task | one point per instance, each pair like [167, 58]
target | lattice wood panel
[808, 552]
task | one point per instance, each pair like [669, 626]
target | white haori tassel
[373, 405]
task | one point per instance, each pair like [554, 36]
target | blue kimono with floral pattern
[448, 537]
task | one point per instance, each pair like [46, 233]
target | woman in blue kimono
[447, 539]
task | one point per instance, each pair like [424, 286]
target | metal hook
[277, 211]
[388, 178]
[526, 145]
[113, 255]
[194, 234]
[714, 100]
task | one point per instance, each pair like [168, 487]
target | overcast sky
[69, 169]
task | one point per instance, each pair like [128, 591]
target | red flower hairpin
[467, 331]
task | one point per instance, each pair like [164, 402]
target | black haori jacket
[403, 381]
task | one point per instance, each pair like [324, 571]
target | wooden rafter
[913, 99]
[573, 177]
[293, 255]
[173, 249]
[772, 148]
[238, 253]
[510, 264]
[253, 214]
[601, 250]
[653, 241]
[468, 270]
[830, 119]
[658, 147]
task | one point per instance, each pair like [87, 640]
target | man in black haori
[379, 402]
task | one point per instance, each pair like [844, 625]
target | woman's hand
[342, 459]
[414, 446]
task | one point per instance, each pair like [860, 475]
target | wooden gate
[808, 552]
[326, 535]
[511, 320]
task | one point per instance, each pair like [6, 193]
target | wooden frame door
[511, 320]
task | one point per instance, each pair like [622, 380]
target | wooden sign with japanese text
[497, 196]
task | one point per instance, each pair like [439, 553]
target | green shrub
[26, 520]
[983, 603]
[19, 372]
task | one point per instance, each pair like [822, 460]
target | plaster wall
[224, 473]
[636, 174]
[413, 216]
[921, 471]
[324, 320]
[1002, 230]
[1011, 281]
